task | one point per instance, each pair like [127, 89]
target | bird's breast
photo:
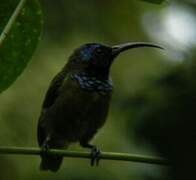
[77, 110]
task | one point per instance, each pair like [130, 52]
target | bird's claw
[95, 156]
[44, 148]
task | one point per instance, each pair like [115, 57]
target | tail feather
[51, 163]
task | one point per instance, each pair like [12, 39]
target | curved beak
[117, 49]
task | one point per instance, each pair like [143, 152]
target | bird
[77, 102]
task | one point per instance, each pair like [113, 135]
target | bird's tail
[51, 162]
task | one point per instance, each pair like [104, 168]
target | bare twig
[75, 154]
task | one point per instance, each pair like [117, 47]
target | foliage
[17, 48]
[155, 1]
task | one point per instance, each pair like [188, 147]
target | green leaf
[155, 1]
[20, 34]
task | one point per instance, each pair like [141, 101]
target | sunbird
[77, 101]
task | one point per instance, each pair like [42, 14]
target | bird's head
[95, 59]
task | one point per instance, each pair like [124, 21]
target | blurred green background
[68, 24]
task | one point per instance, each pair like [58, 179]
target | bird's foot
[95, 156]
[95, 152]
[44, 148]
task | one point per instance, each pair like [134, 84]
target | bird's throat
[92, 83]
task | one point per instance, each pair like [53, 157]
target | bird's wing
[52, 92]
[49, 100]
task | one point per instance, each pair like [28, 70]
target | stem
[76, 154]
[11, 21]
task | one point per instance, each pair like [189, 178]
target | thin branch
[11, 21]
[76, 154]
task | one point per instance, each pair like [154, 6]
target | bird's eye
[98, 51]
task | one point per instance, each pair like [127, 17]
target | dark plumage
[77, 101]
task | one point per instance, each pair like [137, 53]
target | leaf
[155, 1]
[20, 42]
